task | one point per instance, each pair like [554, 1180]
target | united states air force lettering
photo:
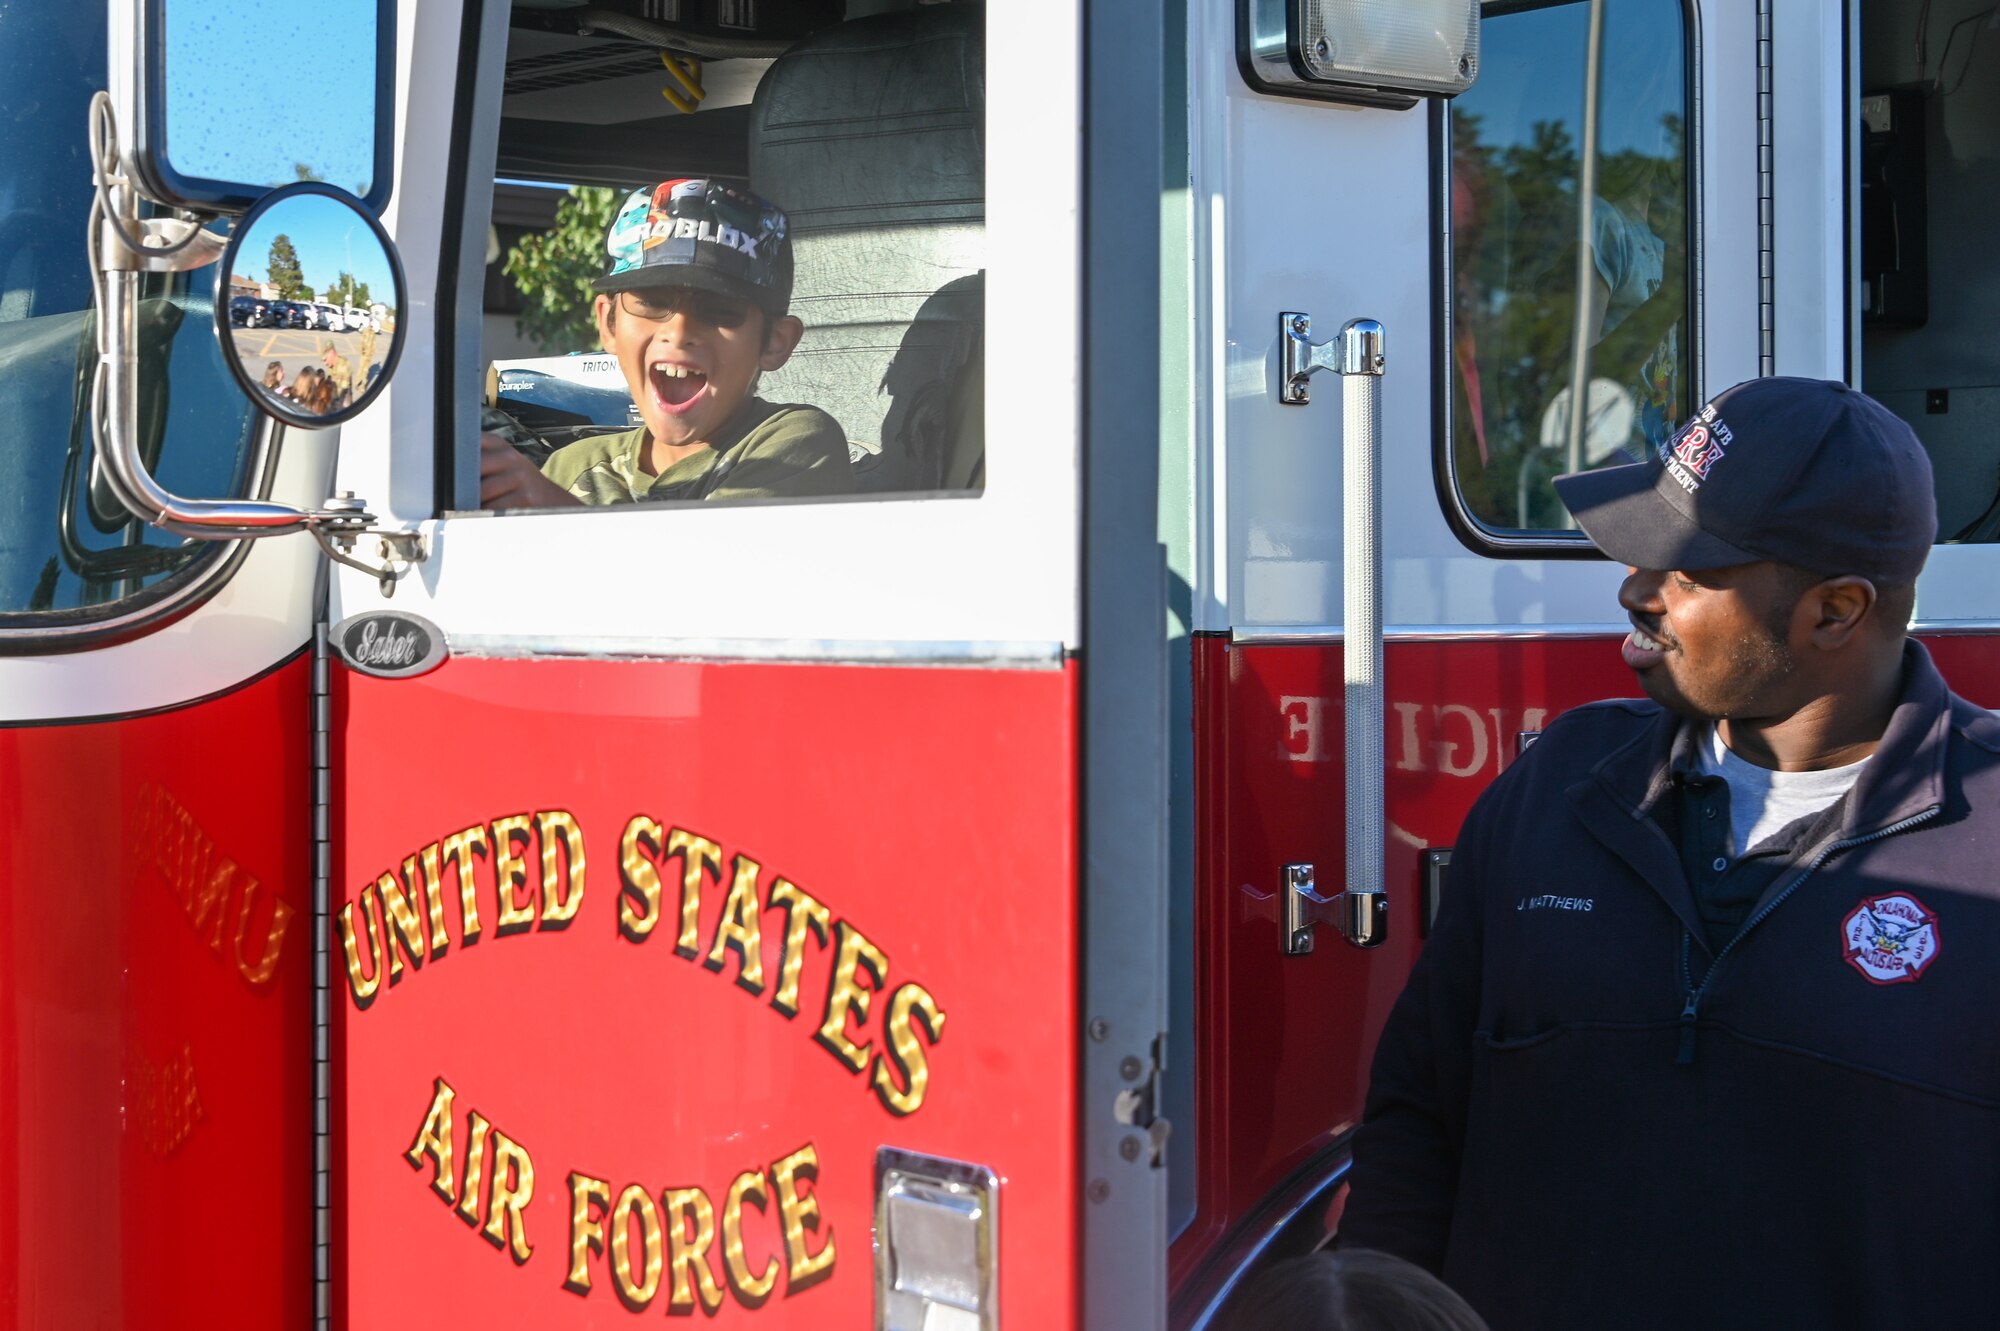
[682, 1244]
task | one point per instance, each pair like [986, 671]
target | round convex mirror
[309, 305]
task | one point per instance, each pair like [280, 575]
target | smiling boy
[694, 309]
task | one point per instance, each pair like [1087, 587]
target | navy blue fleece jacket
[1581, 1118]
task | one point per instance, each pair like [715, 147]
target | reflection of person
[367, 358]
[1354, 1289]
[274, 378]
[693, 324]
[301, 390]
[339, 371]
[1703, 1034]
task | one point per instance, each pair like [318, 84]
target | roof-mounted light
[1375, 52]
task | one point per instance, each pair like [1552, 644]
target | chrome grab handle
[1361, 913]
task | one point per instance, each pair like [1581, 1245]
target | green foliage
[303, 172]
[283, 268]
[554, 269]
[1514, 256]
[345, 291]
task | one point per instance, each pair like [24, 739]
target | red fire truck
[969, 901]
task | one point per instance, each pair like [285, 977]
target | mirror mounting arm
[173, 244]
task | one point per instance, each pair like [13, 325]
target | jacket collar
[1908, 775]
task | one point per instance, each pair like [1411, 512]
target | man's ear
[606, 321]
[1837, 608]
[781, 338]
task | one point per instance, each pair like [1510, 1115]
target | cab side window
[1518, 220]
[69, 554]
[754, 274]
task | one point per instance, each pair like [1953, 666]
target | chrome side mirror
[309, 305]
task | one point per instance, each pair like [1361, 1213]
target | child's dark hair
[1352, 1289]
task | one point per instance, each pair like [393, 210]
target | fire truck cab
[959, 887]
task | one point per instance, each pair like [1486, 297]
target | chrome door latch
[1355, 349]
[1361, 917]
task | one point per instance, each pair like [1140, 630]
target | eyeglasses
[658, 304]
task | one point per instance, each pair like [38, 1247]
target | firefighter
[1706, 1032]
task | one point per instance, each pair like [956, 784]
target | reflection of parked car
[246, 311]
[356, 319]
[329, 317]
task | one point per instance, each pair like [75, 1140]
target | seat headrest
[876, 122]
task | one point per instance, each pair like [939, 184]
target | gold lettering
[433, 898]
[210, 890]
[799, 1213]
[801, 913]
[854, 952]
[460, 847]
[475, 1171]
[750, 1290]
[400, 922]
[638, 880]
[635, 1291]
[510, 874]
[909, 1005]
[364, 990]
[740, 930]
[688, 1257]
[258, 973]
[562, 884]
[695, 851]
[433, 1139]
[586, 1229]
[513, 1188]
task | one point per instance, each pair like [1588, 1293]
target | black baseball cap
[705, 234]
[1802, 471]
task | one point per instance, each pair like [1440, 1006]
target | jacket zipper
[1691, 1008]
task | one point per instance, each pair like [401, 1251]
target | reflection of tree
[1514, 213]
[344, 290]
[283, 268]
[301, 171]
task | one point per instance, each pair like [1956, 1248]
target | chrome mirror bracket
[123, 245]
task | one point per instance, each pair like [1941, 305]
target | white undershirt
[1763, 801]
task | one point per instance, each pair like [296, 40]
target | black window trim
[1473, 534]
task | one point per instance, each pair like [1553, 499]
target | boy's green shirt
[765, 450]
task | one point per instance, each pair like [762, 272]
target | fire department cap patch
[705, 234]
[1803, 471]
[1891, 938]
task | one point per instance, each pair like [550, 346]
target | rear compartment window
[793, 217]
[1517, 222]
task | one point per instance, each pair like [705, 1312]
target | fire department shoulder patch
[1891, 938]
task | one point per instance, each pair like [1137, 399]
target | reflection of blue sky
[324, 232]
[1531, 68]
[254, 87]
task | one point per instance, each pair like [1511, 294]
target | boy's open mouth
[677, 387]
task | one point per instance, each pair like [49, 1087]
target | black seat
[871, 135]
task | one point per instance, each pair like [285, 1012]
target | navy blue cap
[1802, 471]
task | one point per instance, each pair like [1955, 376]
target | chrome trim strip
[1317, 633]
[1767, 257]
[1307, 634]
[1010, 655]
[322, 915]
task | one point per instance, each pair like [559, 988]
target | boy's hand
[508, 480]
